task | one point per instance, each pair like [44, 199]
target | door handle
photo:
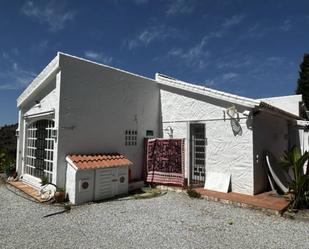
[114, 180]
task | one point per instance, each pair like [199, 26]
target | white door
[110, 182]
[104, 183]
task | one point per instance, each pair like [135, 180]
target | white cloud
[51, 13]
[233, 20]
[5, 55]
[137, 2]
[15, 78]
[229, 76]
[175, 52]
[180, 7]
[255, 31]
[98, 56]
[140, 1]
[209, 83]
[197, 55]
[234, 61]
[276, 59]
[132, 44]
[152, 34]
[286, 25]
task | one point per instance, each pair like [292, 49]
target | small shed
[96, 177]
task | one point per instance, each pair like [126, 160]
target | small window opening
[130, 138]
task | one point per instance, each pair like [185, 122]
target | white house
[76, 106]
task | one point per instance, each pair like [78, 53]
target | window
[40, 149]
[149, 133]
[130, 138]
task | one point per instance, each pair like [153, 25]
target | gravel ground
[169, 221]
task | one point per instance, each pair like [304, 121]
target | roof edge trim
[169, 81]
[107, 66]
[52, 68]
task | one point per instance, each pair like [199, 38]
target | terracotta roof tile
[99, 161]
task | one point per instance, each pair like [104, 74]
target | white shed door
[110, 182]
[105, 183]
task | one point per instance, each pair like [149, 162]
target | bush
[7, 163]
[9, 167]
[44, 180]
[299, 187]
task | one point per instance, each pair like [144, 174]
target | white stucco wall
[271, 133]
[83, 196]
[75, 193]
[70, 185]
[225, 152]
[97, 105]
[287, 103]
[48, 98]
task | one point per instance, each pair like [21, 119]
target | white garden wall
[225, 152]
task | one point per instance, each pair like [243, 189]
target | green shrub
[9, 167]
[7, 163]
[44, 180]
[299, 187]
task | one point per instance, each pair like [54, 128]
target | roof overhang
[97, 161]
[168, 81]
[235, 99]
[40, 81]
[277, 111]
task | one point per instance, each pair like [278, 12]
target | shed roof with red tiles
[97, 161]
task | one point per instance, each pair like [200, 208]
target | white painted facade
[238, 155]
[92, 105]
[288, 103]
[180, 108]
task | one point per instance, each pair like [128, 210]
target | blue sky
[250, 48]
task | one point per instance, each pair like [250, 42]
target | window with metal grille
[130, 138]
[39, 149]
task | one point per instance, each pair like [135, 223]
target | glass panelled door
[197, 153]
[39, 149]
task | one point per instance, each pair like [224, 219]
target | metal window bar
[40, 149]
[198, 154]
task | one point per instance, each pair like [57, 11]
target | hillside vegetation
[8, 141]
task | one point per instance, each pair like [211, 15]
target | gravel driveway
[169, 221]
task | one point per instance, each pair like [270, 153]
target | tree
[303, 81]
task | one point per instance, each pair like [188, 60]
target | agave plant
[299, 187]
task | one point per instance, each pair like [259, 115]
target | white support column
[19, 148]
[57, 127]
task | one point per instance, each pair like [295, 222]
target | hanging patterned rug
[165, 161]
